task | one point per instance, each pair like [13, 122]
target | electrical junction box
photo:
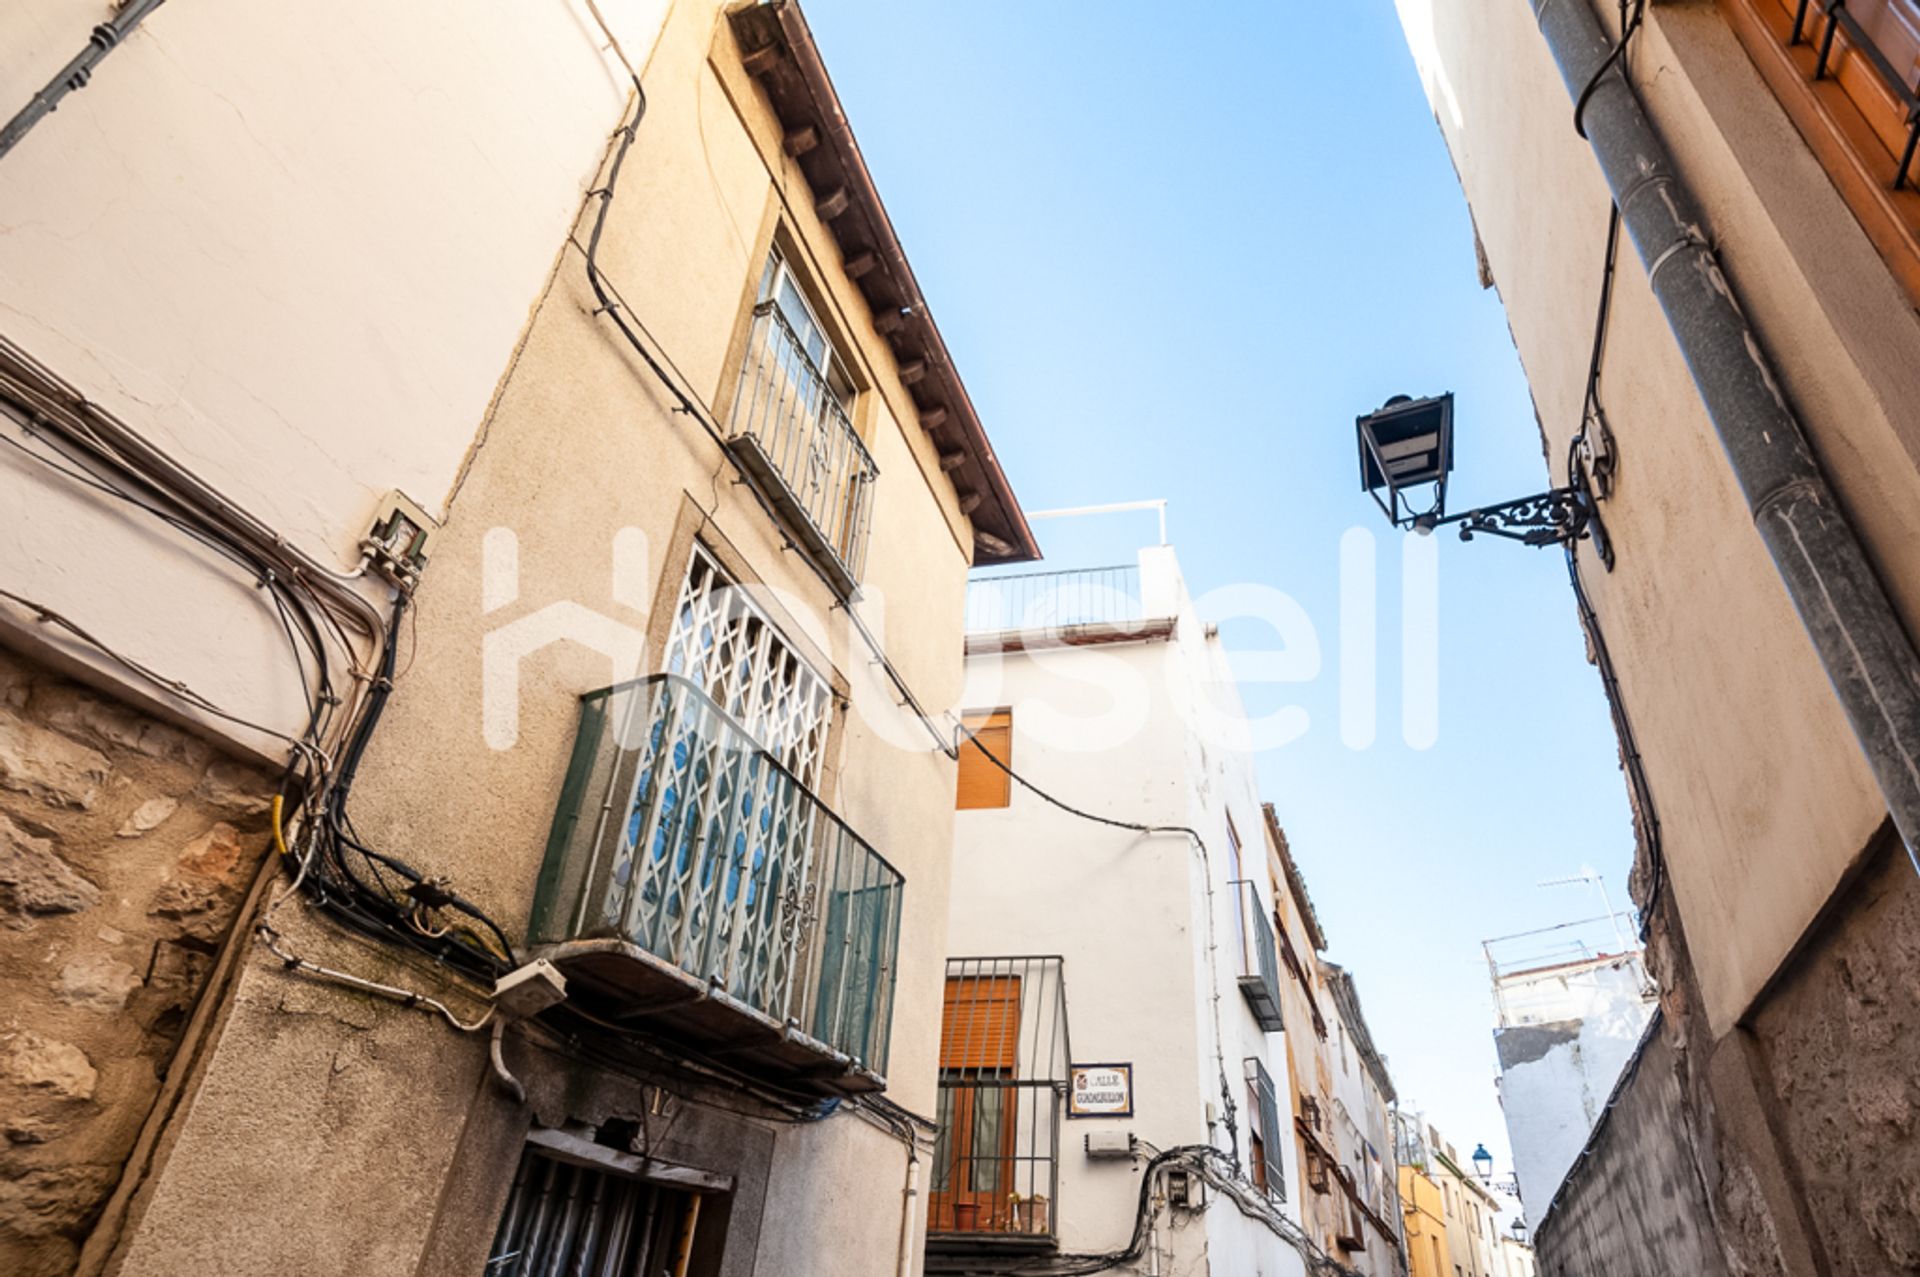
[1109, 1144]
[529, 990]
[1186, 1191]
[397, 545]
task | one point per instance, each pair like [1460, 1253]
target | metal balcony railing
[692, 880]
[1259, 962]
[1055, 601]
[1003, 1082]
[790, 431]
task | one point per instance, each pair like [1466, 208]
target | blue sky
[1174, 253]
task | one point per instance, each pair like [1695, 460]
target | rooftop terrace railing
[1054, 601]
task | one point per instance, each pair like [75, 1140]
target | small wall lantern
[1483, 1164]
[1406, 454]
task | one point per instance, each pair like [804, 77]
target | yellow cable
[279, 841]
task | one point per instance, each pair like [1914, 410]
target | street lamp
[1483, 1163]
[1520, 1230]
[1406, 453]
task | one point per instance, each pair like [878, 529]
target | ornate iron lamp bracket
[1557, 516]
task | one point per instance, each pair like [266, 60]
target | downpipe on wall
[1866, 651]
[104, 39]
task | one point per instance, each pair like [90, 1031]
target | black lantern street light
[1520, 1230]
[1483, 1164]
[1406, 453]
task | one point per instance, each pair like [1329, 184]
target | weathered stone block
[234, 788]
[147, 817]
[35, 880]
[96, 982]
[47, 765]
[36, 1063]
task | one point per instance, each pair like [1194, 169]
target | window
[727, 647]
[1002, 1064]
[1263, 1131]
[983, 783]
[782, 291]
[792, 429]
[1845, 75]
[569, 1213]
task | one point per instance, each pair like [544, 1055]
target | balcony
[1003, 1087]
[1259, 966]
[791, 433]
[1077, 607]
[695, 888]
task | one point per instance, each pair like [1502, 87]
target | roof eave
[780, 52]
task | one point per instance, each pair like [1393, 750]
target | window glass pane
[943, 1142]
[988, 1115]
[799, 317]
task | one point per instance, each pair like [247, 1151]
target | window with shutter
[983, 783]
[1263, 1119]
[1845, 74]
[974, 1165]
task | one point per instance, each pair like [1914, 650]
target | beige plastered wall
[581, 444]
[293, 246]
[1763, 797]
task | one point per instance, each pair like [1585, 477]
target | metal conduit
[1859, 638]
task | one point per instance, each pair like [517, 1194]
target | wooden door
[974, 1159]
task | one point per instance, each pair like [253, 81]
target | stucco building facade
[1744, 420]
[607, 544]
[1132, 1058]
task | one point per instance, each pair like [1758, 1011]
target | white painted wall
[1567, 1033]
[293, 245]
[1108, 729]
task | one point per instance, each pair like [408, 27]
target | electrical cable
[1228, 1107]
[614, 308]
[1645, 813]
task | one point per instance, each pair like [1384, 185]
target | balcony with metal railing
[1259, 966]
[695, 887]
[1003, 1087]
[1077, 606]
[792, 434]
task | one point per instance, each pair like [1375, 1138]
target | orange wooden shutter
[980, 1024]
[982, 784]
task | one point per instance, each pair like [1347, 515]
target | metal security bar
[1838, 19]
[563, 1217]
[722, 642]
[1259, 971]
[678, 833]
[1003, 1082]
[1050, 601]
[789, 427]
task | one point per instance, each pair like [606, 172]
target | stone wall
[1839, 1050]
[1634, 1202]
[126, 846]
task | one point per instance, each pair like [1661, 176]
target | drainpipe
[74, 76]
[1859, 638]
[912, 1190]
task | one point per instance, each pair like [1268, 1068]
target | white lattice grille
[727, 647]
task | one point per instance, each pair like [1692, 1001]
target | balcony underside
[963, 1252]
[799, 521]
[1266, 1008]
[623, 983]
